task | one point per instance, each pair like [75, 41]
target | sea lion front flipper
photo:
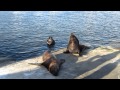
[67, 51]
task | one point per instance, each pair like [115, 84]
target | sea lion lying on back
[74, 46]
[50, 42]
[51, 63]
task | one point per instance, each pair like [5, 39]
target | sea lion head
[50, 41]
[72, 37]
[46, 55]
[54, 68]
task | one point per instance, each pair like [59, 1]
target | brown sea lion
[74, 46]
[51, 62]
[50, 42]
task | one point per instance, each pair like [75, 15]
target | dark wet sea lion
[50, 42]
[74, 46]
[51, 63]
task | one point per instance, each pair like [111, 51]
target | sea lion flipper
[39, 64]
[83, 47]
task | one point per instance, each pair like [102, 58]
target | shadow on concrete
[105, 70]
[73, 69]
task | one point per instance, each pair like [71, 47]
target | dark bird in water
[74, 46]
[50, 42]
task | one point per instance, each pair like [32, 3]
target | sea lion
[74, 46]
[50, 42]
[51, 62]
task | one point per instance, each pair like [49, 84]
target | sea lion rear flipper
[86, 47]
[83, 47]
[39, 64]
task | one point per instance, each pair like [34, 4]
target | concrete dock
[96, 63]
